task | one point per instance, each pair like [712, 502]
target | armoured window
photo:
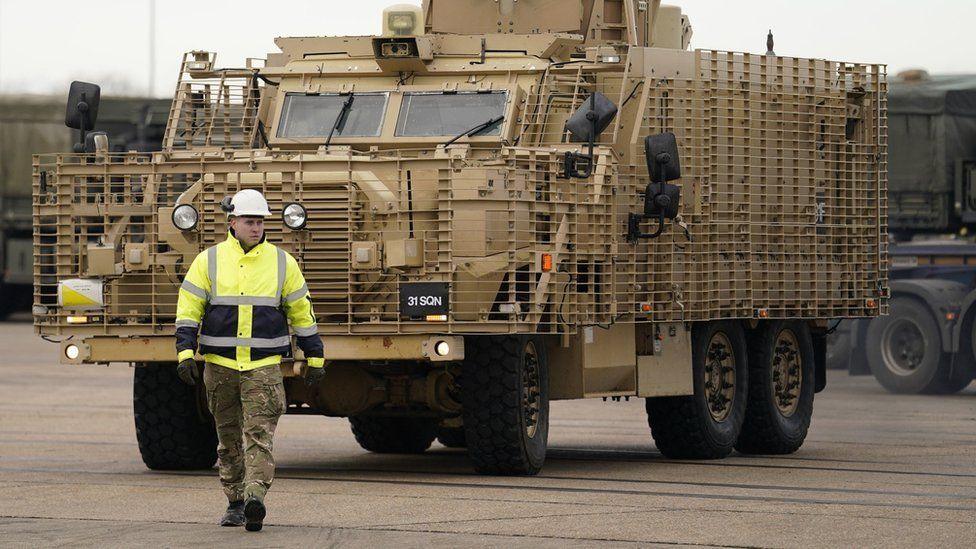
[448, 114]
[312, 116]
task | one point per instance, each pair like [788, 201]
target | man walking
[241, 295]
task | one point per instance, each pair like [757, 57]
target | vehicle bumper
[101, 350]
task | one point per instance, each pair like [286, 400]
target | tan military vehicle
[497, 204]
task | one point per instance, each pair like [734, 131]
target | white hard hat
[247, 202]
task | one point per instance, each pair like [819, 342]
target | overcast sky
[44, 44]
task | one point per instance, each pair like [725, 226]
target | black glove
[187, 370]
[313, 376]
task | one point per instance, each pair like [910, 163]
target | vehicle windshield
[448, 114]
[313, 116]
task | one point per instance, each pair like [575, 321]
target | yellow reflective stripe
[249, 342]
[186, 323]
[315, 362]
[185, 354]
[282, 267]
[297, 294]
[245, 300]
[307, 331]
[242, 366]
[193, 289]
[212, 269]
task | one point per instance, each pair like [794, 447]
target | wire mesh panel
[784, 179]
[212, 109]
[783, 206]
[374, 225]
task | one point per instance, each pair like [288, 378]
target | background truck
[35, 124]
[926, 345]
[496, 204]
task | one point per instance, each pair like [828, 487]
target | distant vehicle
[35, 124]
[927, 343]
[495, 204]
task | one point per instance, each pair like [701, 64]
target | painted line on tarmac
[617, 455]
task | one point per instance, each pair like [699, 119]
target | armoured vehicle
[497, 204]
[926, 345]
[35, 124]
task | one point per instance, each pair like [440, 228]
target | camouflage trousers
[246, 407]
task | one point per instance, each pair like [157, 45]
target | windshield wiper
[483, 127]
[340, 121]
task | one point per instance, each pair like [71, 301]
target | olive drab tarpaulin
[242, 303]
[931, 125]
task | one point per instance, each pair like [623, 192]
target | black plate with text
[419, 299]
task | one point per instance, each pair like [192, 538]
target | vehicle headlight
[185, 217]
[295, 216]
[72, 352]
[442, 348]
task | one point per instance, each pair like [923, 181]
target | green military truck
[34, 124]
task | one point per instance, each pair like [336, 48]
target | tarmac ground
[877, 470]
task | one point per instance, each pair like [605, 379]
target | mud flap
[820, 360]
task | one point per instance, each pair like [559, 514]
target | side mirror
[592, 119]
[662, 200]
[82, 110]
[663, 163]
[585, 126]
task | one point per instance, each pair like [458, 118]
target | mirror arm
[82, 108]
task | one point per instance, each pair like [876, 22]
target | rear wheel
[174, 429]
[452, 437]
[781, 388]
[394, 435]
[707, 424]
[906, 351]
[6, 301]
[505, 395]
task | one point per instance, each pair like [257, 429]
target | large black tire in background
[173, 426]
[505, 394]
[394, 435]
[452, 437]
[6, 301]
[707, 424]
[905, 352]
[781, 388]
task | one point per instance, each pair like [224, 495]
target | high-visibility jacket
[241, 304]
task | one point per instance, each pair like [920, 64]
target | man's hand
[313, 376]
[187, 370]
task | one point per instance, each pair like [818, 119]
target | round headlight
[185, 217]
[442, 348]
[72, 352]
[294, 216]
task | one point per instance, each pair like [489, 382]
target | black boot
[234, 515]
[254, 512]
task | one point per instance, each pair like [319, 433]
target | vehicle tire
[452, 437]
[781, 388]
[905, 350]
[6, 301]
[394, 435]
[705, 425]
[174, 429]
[505, 395]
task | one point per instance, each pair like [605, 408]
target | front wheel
[705, 425]
[781, 388]
[393, 435]
[505, 395]
[174, 429]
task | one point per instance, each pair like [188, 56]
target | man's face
[249, 230]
